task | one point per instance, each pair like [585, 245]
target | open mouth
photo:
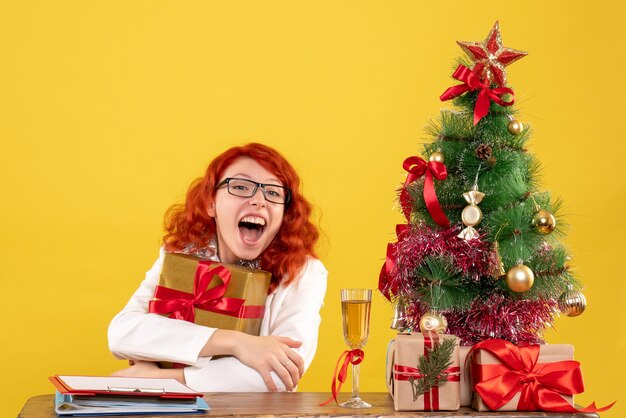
[251, 228]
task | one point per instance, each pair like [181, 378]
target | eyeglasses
[247, 188]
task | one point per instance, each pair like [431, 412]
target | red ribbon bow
[386, 285]
[472, 82]
[354, 357]
[417, 167]
[182, 305]
[541, 384]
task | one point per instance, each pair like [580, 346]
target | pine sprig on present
[432, 367]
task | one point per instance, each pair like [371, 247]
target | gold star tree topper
[491, 56]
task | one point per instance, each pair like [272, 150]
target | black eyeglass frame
[227, 180]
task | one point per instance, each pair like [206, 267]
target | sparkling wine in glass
[355, 312]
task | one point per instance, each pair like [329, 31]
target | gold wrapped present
[212, 294]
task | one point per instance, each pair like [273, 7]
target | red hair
[189, 224]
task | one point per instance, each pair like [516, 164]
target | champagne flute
[355, 312]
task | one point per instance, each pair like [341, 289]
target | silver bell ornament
[399, 321]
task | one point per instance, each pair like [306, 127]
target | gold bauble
[437, 156]
[572, 302]
[433, 323]
[515, 127]
[520, 278]
[544, 221]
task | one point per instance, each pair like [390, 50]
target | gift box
[403, 374]
[531, 378]
[465, 386]
[213, 294]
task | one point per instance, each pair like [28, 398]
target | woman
[248, 210]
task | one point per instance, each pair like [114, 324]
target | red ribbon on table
[417, 167]
[385, 276]
[471, 81]
[182, 305]
[354, 357]
[540, 384]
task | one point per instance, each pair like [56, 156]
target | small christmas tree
[480, 254]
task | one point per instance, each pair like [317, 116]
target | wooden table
[297, 404]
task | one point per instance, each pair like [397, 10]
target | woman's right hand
[264, 354]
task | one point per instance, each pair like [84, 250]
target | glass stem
[355, 380]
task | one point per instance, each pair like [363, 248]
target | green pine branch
[432, 367]
[437, 283]
[452, 126]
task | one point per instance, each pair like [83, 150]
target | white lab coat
[291, 311]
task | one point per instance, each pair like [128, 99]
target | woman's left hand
[140, 368]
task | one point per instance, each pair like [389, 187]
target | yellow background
[109, 109]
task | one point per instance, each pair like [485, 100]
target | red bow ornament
[353, 357]
[418, 167]
[471, 81]
[182, 305]
[386, 284]
[541, 385]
